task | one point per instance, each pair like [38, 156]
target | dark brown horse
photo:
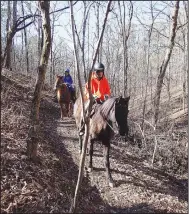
[109, 118]
[63, 97]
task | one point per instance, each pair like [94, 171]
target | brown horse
[63, 97]
[109, 118]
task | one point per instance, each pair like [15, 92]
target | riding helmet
[99, 67]
[67, 70]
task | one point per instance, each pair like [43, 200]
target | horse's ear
[118, 99]
[127, 99]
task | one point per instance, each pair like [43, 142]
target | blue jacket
[68, 79]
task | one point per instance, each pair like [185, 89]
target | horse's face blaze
[121, 113]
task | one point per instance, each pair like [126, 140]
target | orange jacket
[98, 87]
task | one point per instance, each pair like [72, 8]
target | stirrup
[82, 130]
[81, 133]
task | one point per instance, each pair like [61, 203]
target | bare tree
[14, 18]
[7, 24]
[97, 25]
[26, 42]
[165, 63]
[87, 116]
[150, 30]
[32, 141]
[125, 36]
[10, 35]
[81, 44]
[85, 17]
[51, 53]
[40, 35]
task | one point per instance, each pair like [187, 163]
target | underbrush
[171, 154]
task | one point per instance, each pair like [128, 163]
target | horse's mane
[105, 108]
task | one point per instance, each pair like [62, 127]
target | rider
[68, 80]
[100, 88]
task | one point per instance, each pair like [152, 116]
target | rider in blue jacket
[68, 79]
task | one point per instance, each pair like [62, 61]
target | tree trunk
[97, 27]
[86, 117]
[165, 63]
[51, 58]
[14, 23]
[147, 69]
[125, 37]
[26, 43]
[83, 41]
[9, 38]
[32, 142]
[39, 42]
[7, 53]
[7, 30]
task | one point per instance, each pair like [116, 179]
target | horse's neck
[110, 115]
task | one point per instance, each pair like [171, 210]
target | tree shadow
[138, 208]
[65, 171]
[170, 185]
[90, 199]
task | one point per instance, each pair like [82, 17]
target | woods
[125, 34]
[143, 46]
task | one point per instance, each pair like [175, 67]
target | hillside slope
[48, 185]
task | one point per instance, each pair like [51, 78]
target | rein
[111, 127]
[108, 122]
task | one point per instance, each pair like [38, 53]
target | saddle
[95, 108]
[93, 111]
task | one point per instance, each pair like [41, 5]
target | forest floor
[48, 186]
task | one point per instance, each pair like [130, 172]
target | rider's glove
[95, 96]
[106, 96]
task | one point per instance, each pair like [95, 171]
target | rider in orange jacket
[100, 88]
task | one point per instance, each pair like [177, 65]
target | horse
[63, 96]
[108, 118]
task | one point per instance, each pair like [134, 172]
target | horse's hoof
[90, 169]
[111, 184]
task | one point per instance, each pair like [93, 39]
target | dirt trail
[139, 188]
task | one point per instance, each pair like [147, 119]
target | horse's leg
[70, 109]
[67, 109]
[80, 143]
[107, 164]
[61, 110]
[90, 168]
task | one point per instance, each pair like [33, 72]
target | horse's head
[121, 113]
[58, 82]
